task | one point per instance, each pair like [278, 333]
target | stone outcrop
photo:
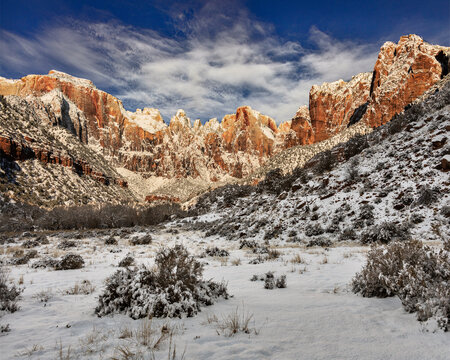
[13, 150]
[402, 73]
[332, 104]
[142, 142]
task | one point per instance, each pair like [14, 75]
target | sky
[209, 57]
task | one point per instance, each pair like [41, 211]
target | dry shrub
[417, 274]
[9, 293]
[173, 288]
[84, 287]
[236, 322]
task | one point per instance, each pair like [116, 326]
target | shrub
[143, 240]
[417, 274]
[313, 230]
[385, 233]
[70, 262]
[271, 281]
[9, 293]
[66, 244]
[173, 288]
[319, 242]
[326, 162]
[215, 251]
[126, 261]
[427, 196]
[22, 260]
[111, 241]
[355, 145]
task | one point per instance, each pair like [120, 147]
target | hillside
[88, 132]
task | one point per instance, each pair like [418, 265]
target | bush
[66, 244]
[355, 145]
[215, 251]
[173, 288]
[313, 230]
[111, 241]
[319, 242]
[385, 233]
[126, 261]
[326, 162]
[70, 262]
[9, 293]
[417, 274]
[271, 282]
[143, 240]
[427, 196]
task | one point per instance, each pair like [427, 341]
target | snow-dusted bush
[385, 233]
[143, 240]
[355, 145]
[417, 274]
[327, 160]
[271, 281]
[9, 293]
[111, 241]
[313, 230]
[126, 261]
[70, 262]
[172, 289]
[427, 196]
[25, 258]
[322, 242]
[66, 244]
[215, 251]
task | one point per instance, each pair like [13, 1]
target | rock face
[143, 143]
[332, 104]
[402, 73]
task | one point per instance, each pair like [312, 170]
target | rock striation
[141, 142]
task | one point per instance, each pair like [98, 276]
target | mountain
[62, 120]
[389, 182]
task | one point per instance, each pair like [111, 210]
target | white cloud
[214, 66]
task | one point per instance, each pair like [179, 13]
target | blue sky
[209, 57]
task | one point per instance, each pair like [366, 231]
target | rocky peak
[402, 73]
[149, 119]
[180, 121]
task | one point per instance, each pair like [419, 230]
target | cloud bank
[215, 63]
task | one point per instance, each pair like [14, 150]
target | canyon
[121, 148]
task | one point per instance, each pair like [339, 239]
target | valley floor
[315, 317]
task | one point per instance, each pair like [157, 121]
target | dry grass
[236, 262]
[273, 254]
[63, 354]
[324, 260]
[15, 251]
[125, 333]
[93, 342]
[297, 259]
[29, 352]
[43, 295]
[21, 280]
[233, 323]
[151, 338]
[83, 288]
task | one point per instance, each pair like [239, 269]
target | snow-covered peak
[148, 119]
[74, 80]
[181, 118]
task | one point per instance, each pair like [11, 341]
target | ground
[315, 317]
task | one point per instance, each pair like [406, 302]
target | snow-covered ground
[315, 317]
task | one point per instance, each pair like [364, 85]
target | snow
[315, 317]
